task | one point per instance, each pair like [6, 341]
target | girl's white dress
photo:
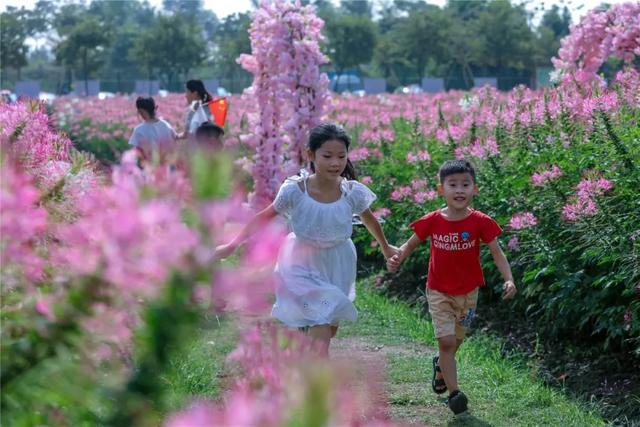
[316, 267]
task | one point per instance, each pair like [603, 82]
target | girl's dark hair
[327, 132]
[451, 167]
[147, 104]
[198, 86]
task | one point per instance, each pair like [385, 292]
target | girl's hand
[389, 251]
[509, 289]
[393, 263]
[223, 251]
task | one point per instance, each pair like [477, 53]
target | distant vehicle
[222, 91]
[345, 83]
[105, 95]
[8, 96]
[46, 97]
[163, 93]
[414, 88]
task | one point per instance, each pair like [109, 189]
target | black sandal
[438, 385]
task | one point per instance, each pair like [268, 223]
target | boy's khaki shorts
[451, 314]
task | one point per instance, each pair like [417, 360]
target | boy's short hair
[451, 167]
[209, 130]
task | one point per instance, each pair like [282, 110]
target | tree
[559, 24]
[16, 25]
[232, 40]
[356, 7]
[552, 28]
[390, 59]
[193, 11]
[462, 48]
[422, 36]
[467, 10]
[171, 46]
[351, 41]
[84, 46]
[506, 36]
[13, 35]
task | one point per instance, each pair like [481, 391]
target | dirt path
[393, 395]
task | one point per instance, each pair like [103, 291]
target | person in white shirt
[154, 135]
[198, 111]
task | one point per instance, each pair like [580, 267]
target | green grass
[502, 391]
[197, 370]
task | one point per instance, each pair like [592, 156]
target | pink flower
[366, 180]
[43, 308]
[400, 193]
[422, 196]
[513, 244]
[599, 34]
[541, 178]
[418, 184]
[289, 94]
[522, 220]
[381, 213]
[22, 227]
[584, 204]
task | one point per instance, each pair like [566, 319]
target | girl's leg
[448, 346]
[322, 334]
[334, 330]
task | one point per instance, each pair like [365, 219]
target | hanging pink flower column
[600, 34]
[308, 87]
[287, 83]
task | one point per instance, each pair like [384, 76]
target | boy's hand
[509, 289]
[393, 263]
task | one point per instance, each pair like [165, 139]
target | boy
[209, 135]
[455, 273]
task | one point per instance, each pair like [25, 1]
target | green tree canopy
[507, 40]
[83, 45]
[172, 46]
[351, 40]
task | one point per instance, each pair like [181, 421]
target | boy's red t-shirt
[454, 265]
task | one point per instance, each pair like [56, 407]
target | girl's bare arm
[261, 217]
[375, 229]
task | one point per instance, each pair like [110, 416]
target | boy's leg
[448, 346]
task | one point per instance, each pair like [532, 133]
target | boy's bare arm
[509, 287]
[409, 246]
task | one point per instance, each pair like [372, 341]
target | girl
[153, 135]
[316, 267]
[198, 113]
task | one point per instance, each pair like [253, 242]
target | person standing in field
[316, 269]
[455, 273]
[198, 111]
[153, 137]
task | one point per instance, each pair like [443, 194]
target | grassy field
[503, 390]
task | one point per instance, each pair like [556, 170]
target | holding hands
[390, 251]
[394, 262]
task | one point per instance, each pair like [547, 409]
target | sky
[223, 8]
